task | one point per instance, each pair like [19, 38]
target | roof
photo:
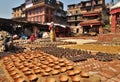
[56, 25]
[116, 6]
[91, 13]
[22, 5]
[91, 22]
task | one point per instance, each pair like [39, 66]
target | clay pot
[63, 78]
[43, 66]
[77, 70]
[24, 69]
[21, 79]
[13, 72]
[75, 79]
[46, 63]
[36, 68]
[71, 73]
[61, 60]
[55, 72]
[32, 78]
[62, 64]
[50, 80]
[51, 65]
[63, 69]
[16, 76]
[37, 71]
[28, 72]
[57, 67]
[56, 63]
[84, 74]
[48, 69]
[69, 67]
[5, 58]
[44, 74]
[10, 69]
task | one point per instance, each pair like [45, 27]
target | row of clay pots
[34, 63]
[78, 55]
[70, 54]
[25, 62]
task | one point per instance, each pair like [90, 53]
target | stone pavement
[80, 41]
[108, 71]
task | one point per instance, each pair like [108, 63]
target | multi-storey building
[40, 10]
[60, 14]
[74, 16]
[43, 11]
[94, 15]
[19, 13]
[88, 15]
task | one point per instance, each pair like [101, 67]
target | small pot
[63, 78]
[50, 80]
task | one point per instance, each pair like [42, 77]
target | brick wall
[107, 37]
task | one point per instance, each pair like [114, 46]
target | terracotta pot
[32, 78]
[63, 78]
[16, 76]
[55, 72]
[51, 65]
[21, 79]
[43, 66]
[63, 69]
[62, 64]
[28, 72]
[84, 74]
[61, 60]
[71, 73]
[48, 69]
[75, 79]
[77, 70]
[50, 80]
[69, 67]
[24, 69]
[45, 74]
[37, 71]
[57, 67]
[10, 68]
[13, 72]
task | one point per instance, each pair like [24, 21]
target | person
[52, 32]
[32, 37]
[7, 43]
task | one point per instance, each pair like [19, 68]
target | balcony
[73, 20]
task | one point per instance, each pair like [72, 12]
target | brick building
[74, 16]
[60, 14]
[19, 13]
[43, 11]
[95, 16]
[89, 16]
[115, 18]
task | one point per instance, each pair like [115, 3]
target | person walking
[52, 32]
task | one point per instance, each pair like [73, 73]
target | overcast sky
[7, 5]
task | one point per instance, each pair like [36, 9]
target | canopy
[91, 23]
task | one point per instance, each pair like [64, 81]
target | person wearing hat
[7, 43]
[52, 32]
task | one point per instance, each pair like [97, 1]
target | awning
[91, 14]
[56, 25]
[91, 23]
[113, 11]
